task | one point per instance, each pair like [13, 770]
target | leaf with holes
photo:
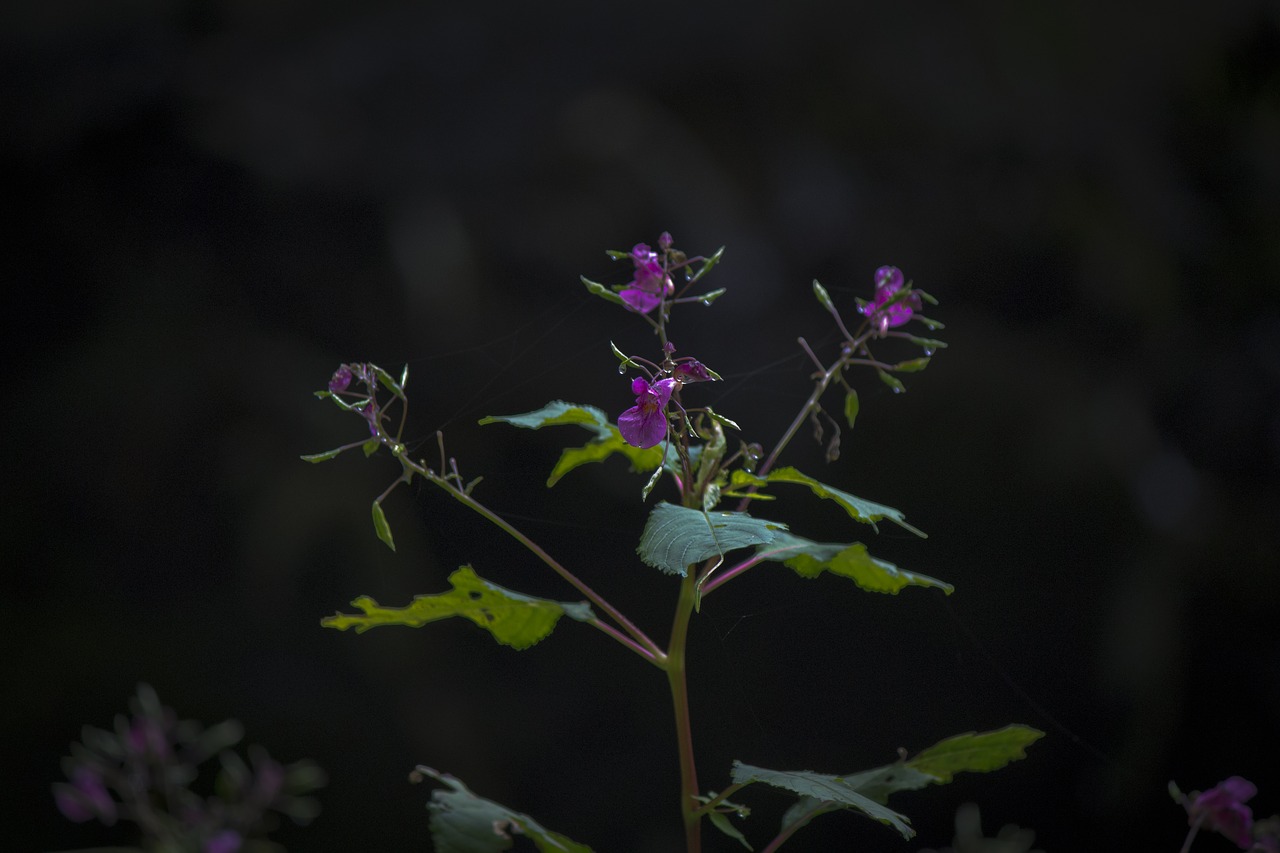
[514, 620]
[675, 537]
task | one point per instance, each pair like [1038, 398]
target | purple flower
[650, 284]
[889, 281]
[645, 423]
[341, 380]
[85, 798]
[691, 371]
[226, 841]
[1222, 808]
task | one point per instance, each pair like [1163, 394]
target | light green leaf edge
[464, 822]
[974, 752]
[850, 560]
[676, 537]
[607, 441]
[514, 620]
[721, 821]
[857, 508]
[819, 789]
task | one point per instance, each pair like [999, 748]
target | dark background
[212, 205]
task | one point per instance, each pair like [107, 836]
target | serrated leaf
[914, 365]
[370, 447]
[851, 407]
[975, 752]
[809, 559]
[555, 413]
[600, 290]
[862, 510]
[514, 619]
[675, 537]
[824, 789]
[824, 298]
[381, 527]
[463, 822]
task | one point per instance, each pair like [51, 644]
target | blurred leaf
[809, 559]
[514, 620]
[326, 456]
[712, 295]
[851, 407]
[676, 537]
[370, 447]
[857, 508]
[462, 822]
[927, 343]
[600, 290]
[387, 381]
[933, 325]
[823, 789]
[380, 525]
[892, 381]
[721, 821]
[914, 365]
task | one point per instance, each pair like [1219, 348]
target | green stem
[690, 810]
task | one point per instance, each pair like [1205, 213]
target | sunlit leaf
[463, 822]
[514, 620]
[721, 419]
[600, 449]
[381, 527]
[850, 560]
[824, 789]
[555, 413]
[857, 508]
[675, 537]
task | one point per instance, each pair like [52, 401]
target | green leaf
[675, 537]
[851, 407]
[622, 356]
[404, 376]
[857, 508]
[892, 381]
[933, 325]
[387, 381]
[823, 789]
[927, 343]
[914, 365]
[975, 752]
[463, 822]
[824, 298]
[712, 295]
[707, 265]
[514, 620]
[720, 821]
[380, 525]
[555, 413]
[721, 419]
[370, 447]
[600, 449]
[600, 290]
[326, 456]
[809, 559]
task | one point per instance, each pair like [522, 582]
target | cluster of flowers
[1222, 809]
[142, 772]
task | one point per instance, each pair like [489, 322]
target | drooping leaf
[707, 265]
[514, 620]
[326, 456]
[823, 789]
[463, 822]
[851, 407]
[712, 295]
[675, 537]
[857, 508]
[721, 821]
[972, 752]
[892, 381]
[914, 365]
[850, 560]
[381, 527]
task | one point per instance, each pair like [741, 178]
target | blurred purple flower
[889, 280]
[341, 380]
[85, 798]
[1222, 808]
[651, 283]
[226, 841]
[645, 423]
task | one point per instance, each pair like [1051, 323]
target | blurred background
[213, 204]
